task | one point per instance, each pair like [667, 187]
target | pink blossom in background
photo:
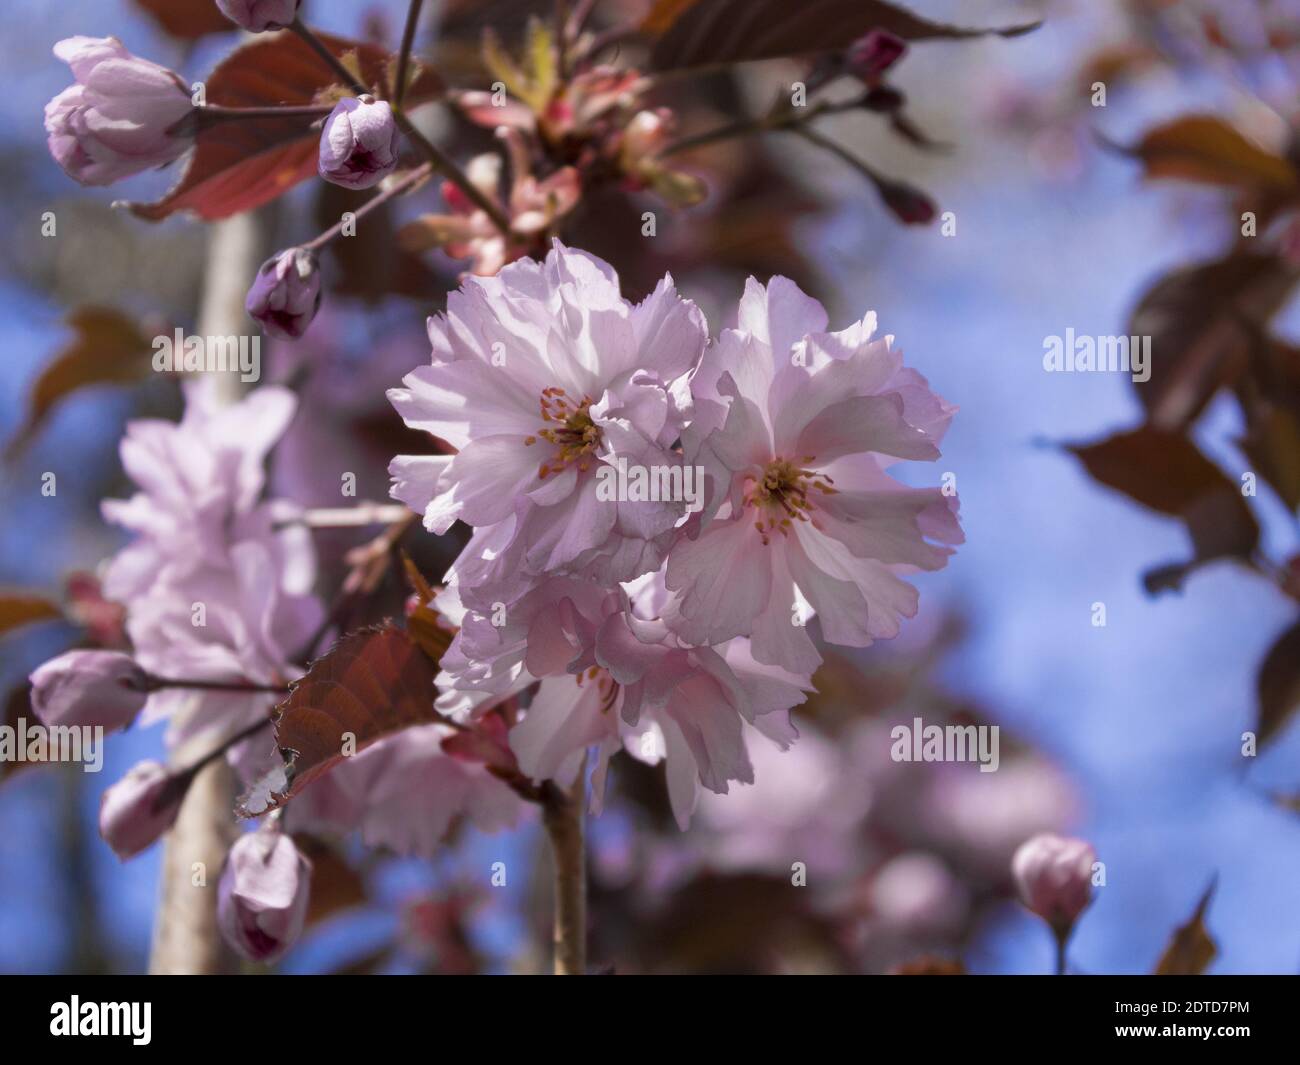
[208, 549]
[405, 793]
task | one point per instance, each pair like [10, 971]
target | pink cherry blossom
[215, 588]
[405, 793]
[201, 482]
[614, 677]
[539, 375]
[802, 424]
[468, 232]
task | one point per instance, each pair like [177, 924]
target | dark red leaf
[371, 684]
[1207, 149]
[1167, 472]
[187, 20]
[1278, 685]
[1191, 949]
[695, 33]
[1200, 340]
[19, 608]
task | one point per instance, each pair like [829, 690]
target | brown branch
[562, 816]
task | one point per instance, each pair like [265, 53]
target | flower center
[780, 494]
[605, 684]
[570, 428]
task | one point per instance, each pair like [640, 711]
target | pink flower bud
[1053, 876]
[359, 144]
[115, 121]
[874, 53]
[285, 295]
[103, 688]
[139, 808]
[263, 894]
[258, 16]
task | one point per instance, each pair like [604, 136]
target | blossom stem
[1061, 937]
[223, 747]
[396, 188]
[562, 816]
[350, 517]
[404, 56]
[452, 172]
[313, 42]
[156, 683]
[793, 119]
[210, 115]
[561, 23]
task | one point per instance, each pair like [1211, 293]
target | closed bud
[359, 144]
[104, 688]
[1053, 876]
[263, 894]
[872, 54]
[285, 295]
[139, 808]
[258, 16]
[118, 118]
[908, 204]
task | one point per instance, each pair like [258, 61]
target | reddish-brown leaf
[1159, 469]
[19, 608]
[930, 965]
[1278, 685]
[1206, 149]
[238, 166]
[1201, 321]
[1167, 472]
[17, 707]
[697, 33]
[106, 347]
[371, 684]
[187, 20]
[1191, 949]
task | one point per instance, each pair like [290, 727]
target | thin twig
[402, 185]
[309, 38]
[404, 57]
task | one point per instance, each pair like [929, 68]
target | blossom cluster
[659, 515]
[644, 621]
